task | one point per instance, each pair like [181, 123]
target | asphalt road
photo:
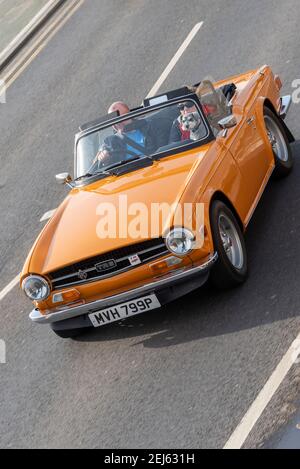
[14, 16]
[185, 375]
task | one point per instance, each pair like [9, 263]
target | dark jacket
[124, 145]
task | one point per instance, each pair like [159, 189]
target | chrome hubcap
[276, 139]
[231, 241]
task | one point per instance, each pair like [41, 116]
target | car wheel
[231, 268]
[281, 147]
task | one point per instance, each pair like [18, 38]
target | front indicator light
[164, 265]
[69, 295]
[36, 288]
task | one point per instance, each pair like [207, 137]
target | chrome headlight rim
[44, 283]
[179, 230]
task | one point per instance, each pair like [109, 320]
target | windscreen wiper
[124, 162]
[107, 171]
[89, 175]
[120, 163]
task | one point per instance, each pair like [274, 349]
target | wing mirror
[64, 179]
[228, 122]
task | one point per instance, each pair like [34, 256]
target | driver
[131, 138]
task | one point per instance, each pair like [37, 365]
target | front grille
[108, 264]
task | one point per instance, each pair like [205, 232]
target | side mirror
[228, 122]
[64, 179]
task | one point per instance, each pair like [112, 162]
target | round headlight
[180, 241]
[36, 288]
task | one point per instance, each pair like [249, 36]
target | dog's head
[190, 121]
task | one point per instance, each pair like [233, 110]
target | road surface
[185, 375]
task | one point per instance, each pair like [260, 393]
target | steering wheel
[98, 164]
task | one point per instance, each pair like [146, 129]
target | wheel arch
[267, 103]
[219, 195]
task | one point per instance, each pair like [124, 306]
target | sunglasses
[187, 105]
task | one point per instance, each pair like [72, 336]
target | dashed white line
[27, 28]
[175, 59]
[251, 417]
[9, 287]
[40, 43]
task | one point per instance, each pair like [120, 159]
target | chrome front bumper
[163, 282]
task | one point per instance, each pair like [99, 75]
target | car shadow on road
[271, 293]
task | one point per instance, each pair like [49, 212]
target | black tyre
[231, 268]
[282, 151]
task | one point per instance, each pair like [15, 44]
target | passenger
[178, 134]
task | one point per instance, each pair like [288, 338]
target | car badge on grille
[134, 260]
[82, 274]
[106, 265]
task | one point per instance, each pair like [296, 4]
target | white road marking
[27, 28]
[48, 215]
[9, 287]
[174, 61]
[40, 44]
[249, 420]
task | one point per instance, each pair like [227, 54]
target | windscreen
[170, 127]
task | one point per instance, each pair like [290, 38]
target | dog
[192, 122]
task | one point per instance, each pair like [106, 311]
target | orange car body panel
[238, 166]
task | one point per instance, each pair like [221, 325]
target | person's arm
[111, 146]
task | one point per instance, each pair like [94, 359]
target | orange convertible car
[159, 202]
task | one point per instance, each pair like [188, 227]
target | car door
[247, 145]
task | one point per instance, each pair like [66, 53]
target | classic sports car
[211, 148]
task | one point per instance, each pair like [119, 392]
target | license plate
[124, 310]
